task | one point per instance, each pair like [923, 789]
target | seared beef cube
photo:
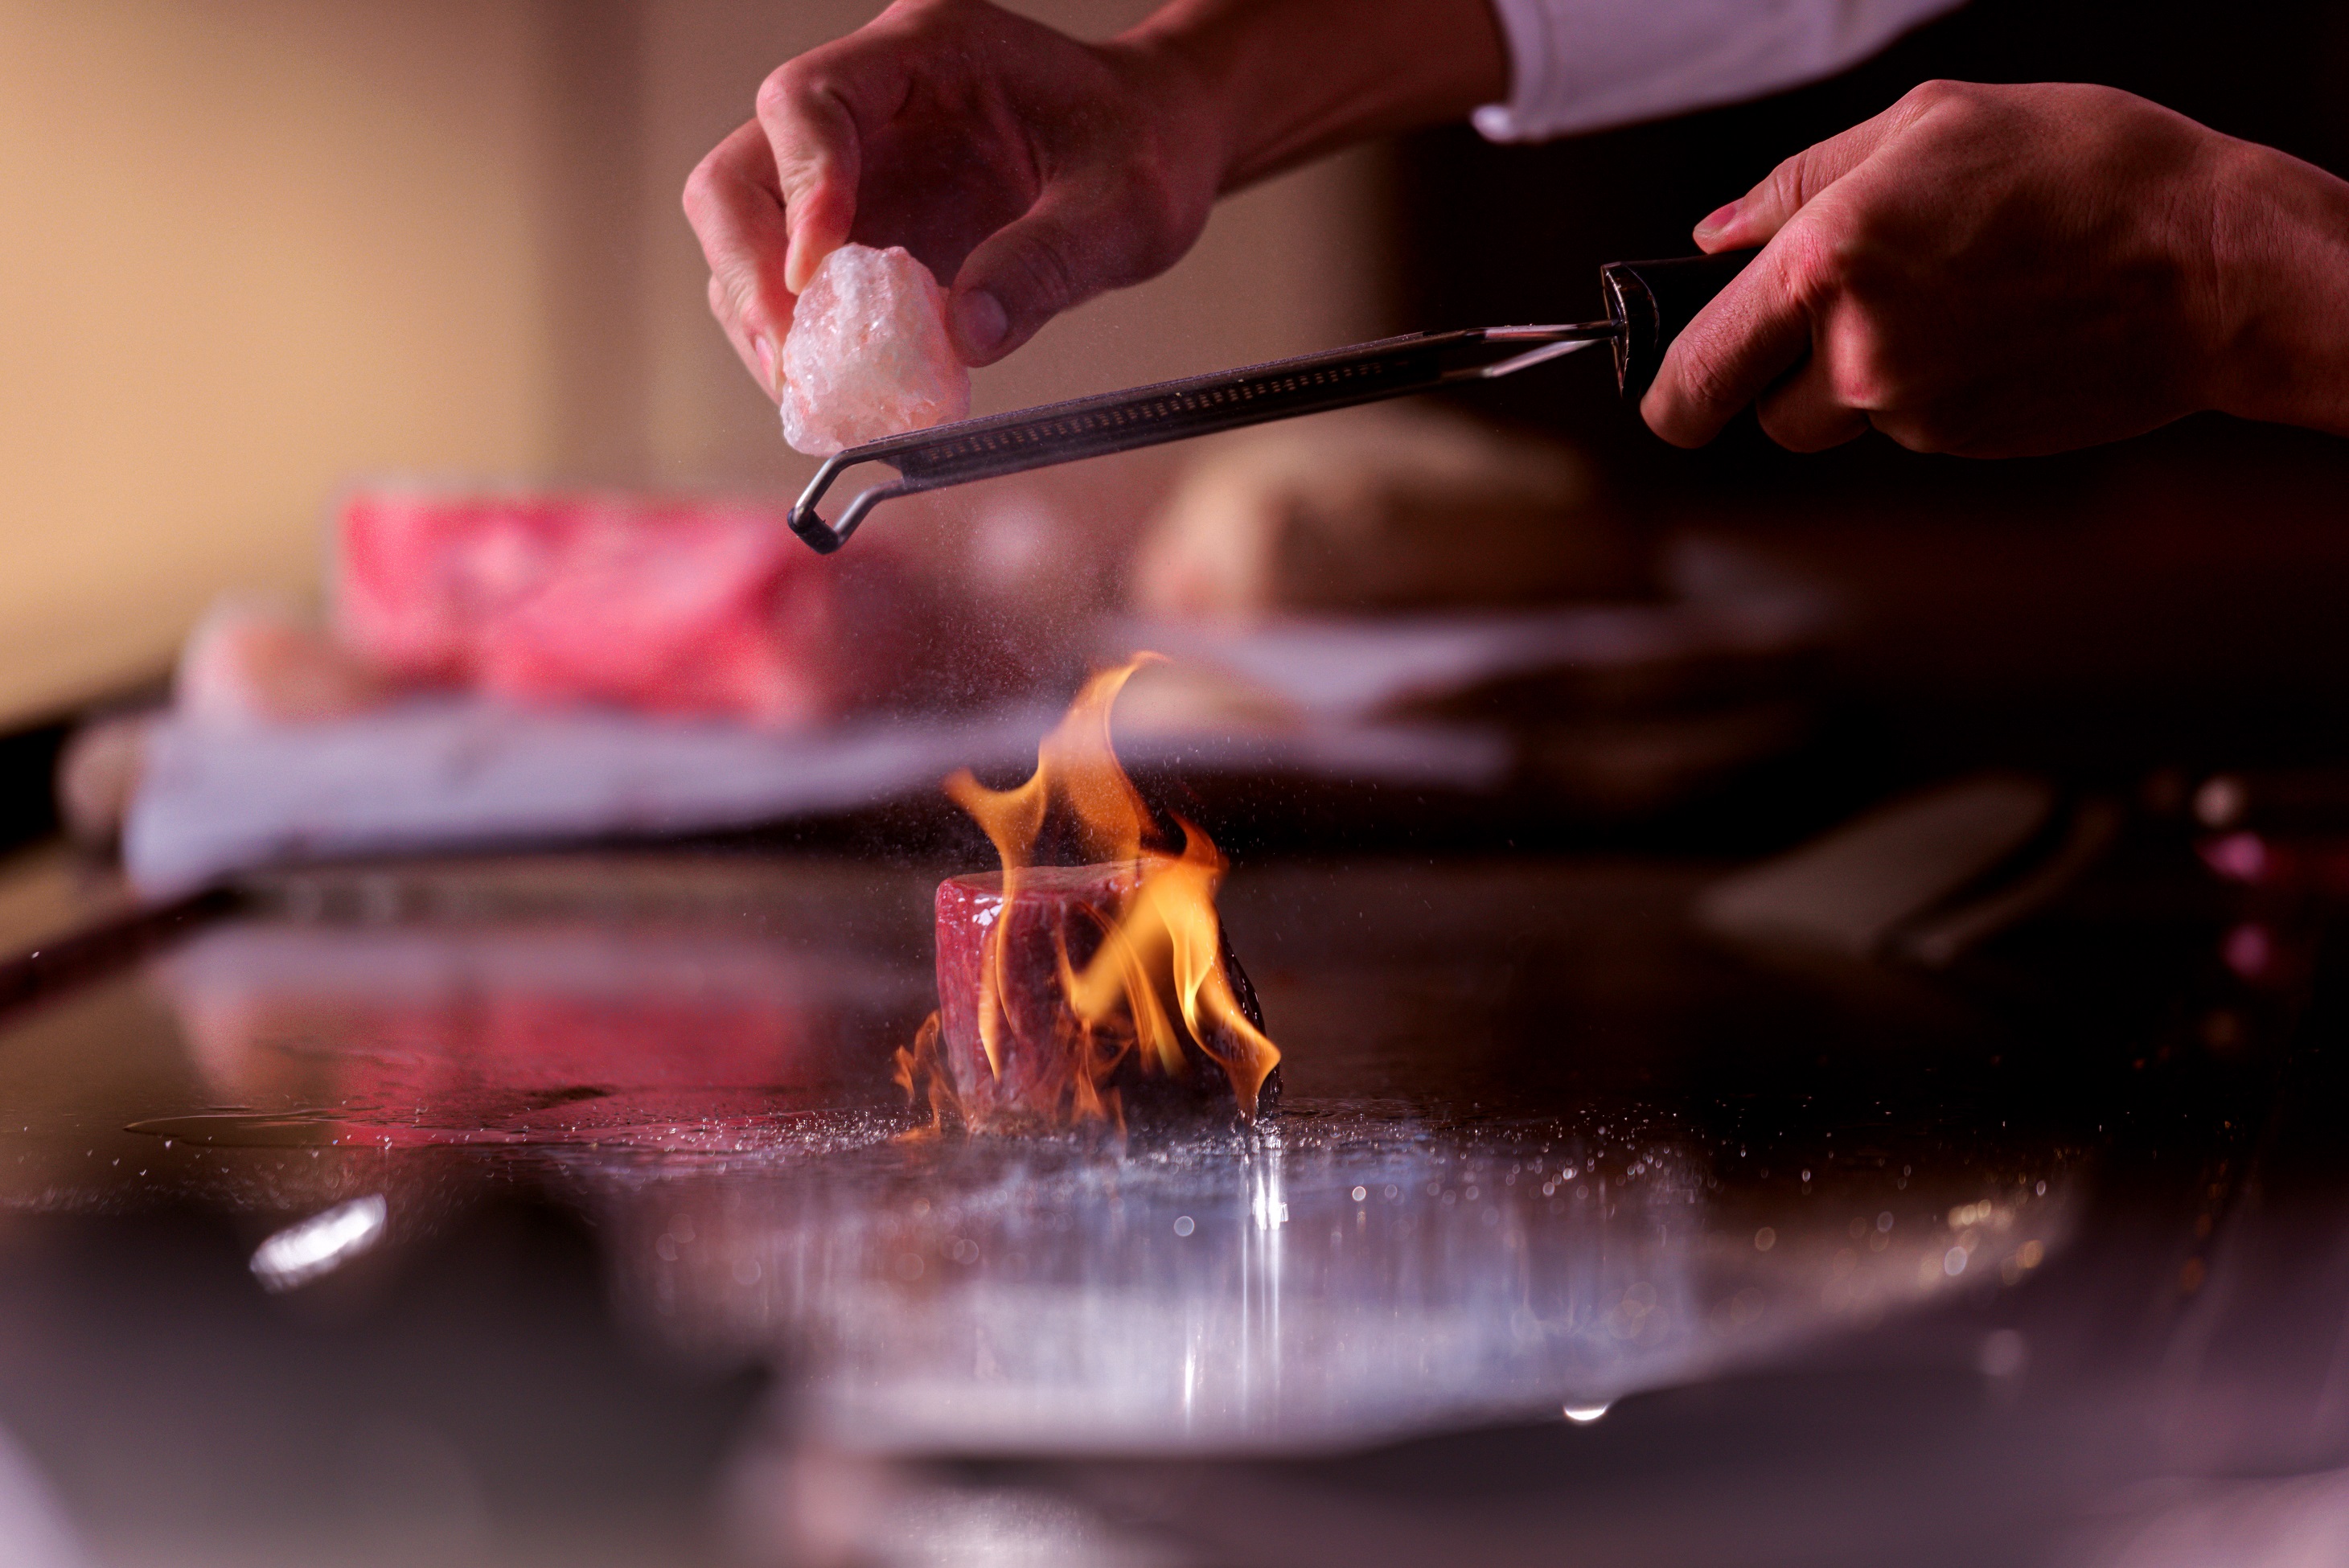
[1050, 1066]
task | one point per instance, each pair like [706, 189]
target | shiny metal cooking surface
[1576, 1237]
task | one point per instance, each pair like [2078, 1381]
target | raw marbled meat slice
[1037, 1080]
[551, 1030]
[868, 355]
[672, 607]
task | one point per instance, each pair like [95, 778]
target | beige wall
[257, 247]
[251, 248]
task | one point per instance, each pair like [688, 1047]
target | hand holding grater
[1648, 304]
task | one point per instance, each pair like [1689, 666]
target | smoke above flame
[1155, 992]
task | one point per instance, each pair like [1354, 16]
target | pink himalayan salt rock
[701, 607]
[868, 354]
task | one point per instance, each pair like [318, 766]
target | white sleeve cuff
[1581, 65]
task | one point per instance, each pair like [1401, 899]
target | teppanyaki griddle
[1648, 304]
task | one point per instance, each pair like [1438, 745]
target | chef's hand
[1030, 172]
[1025, 169]
[1998, 270]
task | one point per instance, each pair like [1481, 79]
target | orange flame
[1168, 939]
[917, 1072]
[1158, 978]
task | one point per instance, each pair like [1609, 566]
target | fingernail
[980, 318]
[767, 359]
[1714, 221]
[796, 265]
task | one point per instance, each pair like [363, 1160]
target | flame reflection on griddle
[516, 1034]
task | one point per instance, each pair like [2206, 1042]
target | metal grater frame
[971, 449]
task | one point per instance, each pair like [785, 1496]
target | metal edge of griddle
[1106, 423]
[81, 954]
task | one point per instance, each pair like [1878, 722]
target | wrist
[1187, 95]
[1208, 56]
[1286, 81]
[2279, 259]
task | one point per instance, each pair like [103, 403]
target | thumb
[1029, 271]
[1756, 218]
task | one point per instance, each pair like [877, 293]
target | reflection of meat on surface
[1048, 1062]
[479, 1027]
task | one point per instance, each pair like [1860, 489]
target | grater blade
[1111, 422]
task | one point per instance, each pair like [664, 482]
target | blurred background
[264, 251]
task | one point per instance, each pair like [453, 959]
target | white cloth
[1580, 64]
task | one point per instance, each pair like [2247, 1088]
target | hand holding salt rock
[868, 354]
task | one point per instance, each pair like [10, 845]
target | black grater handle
[1654, 302]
